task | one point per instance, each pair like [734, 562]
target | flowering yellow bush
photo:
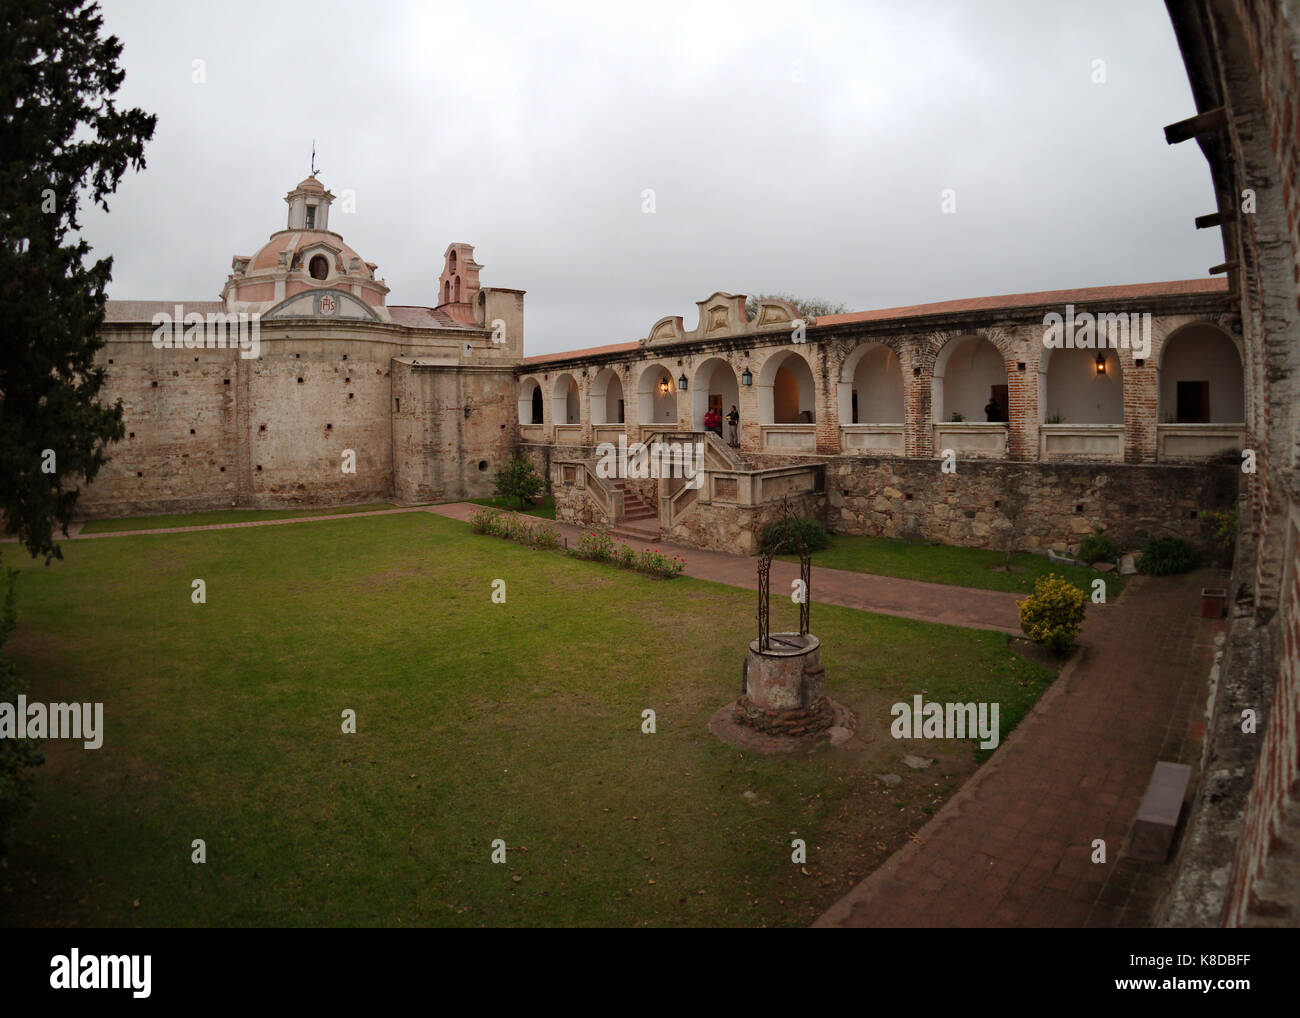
[1053, 614]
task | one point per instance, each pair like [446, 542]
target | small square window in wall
[259, 468]
[1020, 365]
[300, 381]
[351, 394]
[225, 381]
[153, 385]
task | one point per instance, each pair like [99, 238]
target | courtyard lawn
[545, 509]
[960, 567]
[475, 721]
[218, 516]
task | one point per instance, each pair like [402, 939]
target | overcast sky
[800, 147]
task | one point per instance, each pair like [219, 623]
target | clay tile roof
[1020, 300]
[424, 318]
[591, 351]
[144, 310]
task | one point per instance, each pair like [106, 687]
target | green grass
[222, 516]
[475, 721]
[961, 567]
[546, 510]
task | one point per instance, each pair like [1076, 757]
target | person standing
[733, 419]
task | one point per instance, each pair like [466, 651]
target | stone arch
[458, 289]
[1200, 377]
[530, 401]
[654, 404]
[606, 399]
[874, 373]
[786, 391]
[714, 377]
[966, 368]
[1071, 388]
[446, 292]
[565, 405]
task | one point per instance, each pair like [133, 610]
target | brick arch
[603, 396]
[532, 407]
[653, 405]
[781, 369]
[1223, 407]
[946, 399]
[847, 376]
[566, 399]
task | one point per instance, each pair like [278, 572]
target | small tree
[519, 480]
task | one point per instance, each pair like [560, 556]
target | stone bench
[1157, 819]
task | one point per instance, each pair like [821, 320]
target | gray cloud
[799, 148]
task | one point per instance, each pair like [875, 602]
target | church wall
[251, 413]
[440, 453]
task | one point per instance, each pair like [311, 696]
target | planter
[1214, 602]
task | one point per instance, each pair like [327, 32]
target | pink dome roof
[268, 256]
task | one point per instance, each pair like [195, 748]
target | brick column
[826, 377]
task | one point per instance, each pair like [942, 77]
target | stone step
[635, 534]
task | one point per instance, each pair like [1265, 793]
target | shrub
[1164, 556]
[1053, 614]
[813, 533]
[17, 756]
[517, 528]
[1097, 548]
[596, 545]
[1223, 528]
[519, 480]
[625, 557]
[486, 521]
[656, 563]
[546, 535]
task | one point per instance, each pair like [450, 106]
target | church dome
[305, 255]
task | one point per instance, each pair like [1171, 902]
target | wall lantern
[1101, 363]
[663, 386]
[747, 378]
[681, 382]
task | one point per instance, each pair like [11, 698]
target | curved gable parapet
[667, 330]
[778, 314]
[324, 304]
[721, 313]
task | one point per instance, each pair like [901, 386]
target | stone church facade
[851, 417]
[345, 398]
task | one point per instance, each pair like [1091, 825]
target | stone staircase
[640, 517]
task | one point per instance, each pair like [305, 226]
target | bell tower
[309, 206]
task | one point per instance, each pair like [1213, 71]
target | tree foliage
[809, 307]
[518, 480]
[63, 140]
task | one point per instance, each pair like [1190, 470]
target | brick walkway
[886, 595]
[1013, 846]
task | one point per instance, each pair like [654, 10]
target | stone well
[784, 687]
